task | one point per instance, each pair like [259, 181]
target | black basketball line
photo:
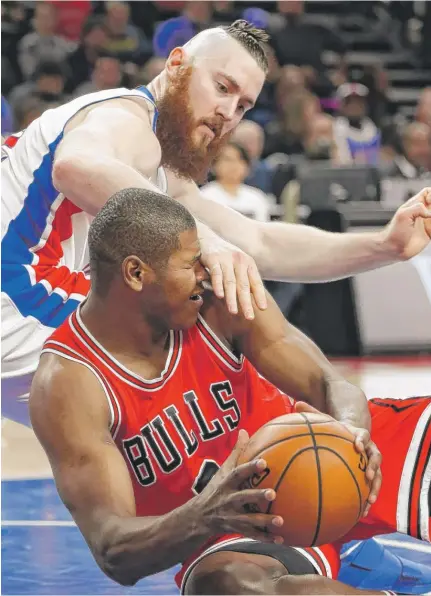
[319, 483]
[351, 474]
[284, 472]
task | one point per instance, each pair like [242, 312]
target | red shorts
[401, 428]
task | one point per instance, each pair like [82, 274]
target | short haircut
[134, 221]
[254, 40]
[243, 153]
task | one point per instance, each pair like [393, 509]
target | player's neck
[120, 331]
[157, 86]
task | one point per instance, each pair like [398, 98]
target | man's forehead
[216, 50]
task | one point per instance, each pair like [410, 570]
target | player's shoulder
[58, 378]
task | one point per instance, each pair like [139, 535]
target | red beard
[176, 127]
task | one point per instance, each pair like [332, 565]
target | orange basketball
[318, 476]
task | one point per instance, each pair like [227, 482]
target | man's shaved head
[208, 43]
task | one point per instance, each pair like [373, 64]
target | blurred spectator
[125, 41]
[231, 169]
[285, 134]
[47, 85]
[14, 25]
[195, 17]
[94, 38]
[423, 110]
[251, 137]
[291, 79]
[42, 44]
[319, 145]
[375, 78]
[302, 44]
[151, 69]
[71, 15]
[7, 123]
[107, 74]
[319, 142]
[29, 109]
[415, 162]
[356, 135]
[224, 12]
[263, 111]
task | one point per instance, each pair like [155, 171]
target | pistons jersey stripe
[60, 349]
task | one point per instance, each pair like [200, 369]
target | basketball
[318, 476]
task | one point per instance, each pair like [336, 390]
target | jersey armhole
[59, 349]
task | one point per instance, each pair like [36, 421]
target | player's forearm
[133, 548]
[294, 252]
[89, 181]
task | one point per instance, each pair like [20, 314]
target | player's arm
[295, 252]
[71, 418]
[99, 152]
[293, 362]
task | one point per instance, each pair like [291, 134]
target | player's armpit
[70, 416]
[110, 148]
[317, 584]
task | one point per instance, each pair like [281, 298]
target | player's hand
[363, 444]
[221, 506]
[409, 231]
[234, 276]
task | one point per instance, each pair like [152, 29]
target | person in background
[94, 38]
[42, 44]
[251, 137]
[356, 135]
[415, 161]
[285, 134]
[125, 41]
[29, 109]
[423, 110]
[107, 74]
[303, 44]
[231, 169]
[151, 69]
[71, 16]
[47, 84]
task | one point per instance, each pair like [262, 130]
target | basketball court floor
[44, 553]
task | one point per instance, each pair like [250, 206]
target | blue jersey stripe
[24, 232]
[150, 96]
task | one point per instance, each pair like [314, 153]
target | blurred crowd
[309, 110]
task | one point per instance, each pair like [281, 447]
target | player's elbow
[114, 562]
[66, 172]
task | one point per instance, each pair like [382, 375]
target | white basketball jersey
[44, 235]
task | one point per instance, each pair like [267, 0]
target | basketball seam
[351, 474]
[297, 437]
[319, 482]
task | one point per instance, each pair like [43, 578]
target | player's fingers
[374, 460]
[418, 210]
[243, 289]
[240, 474]
[424, 196]
[216, 275]
[241, 442]
[229, 285]
[251, 498]
[374, 492]
[257, 287]
[260, 526]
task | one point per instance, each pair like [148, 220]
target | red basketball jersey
[175, 431]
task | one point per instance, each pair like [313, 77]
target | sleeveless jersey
[44, 235]
[175, 431]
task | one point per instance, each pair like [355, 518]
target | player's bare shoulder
[124, 127]
[60, 387]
